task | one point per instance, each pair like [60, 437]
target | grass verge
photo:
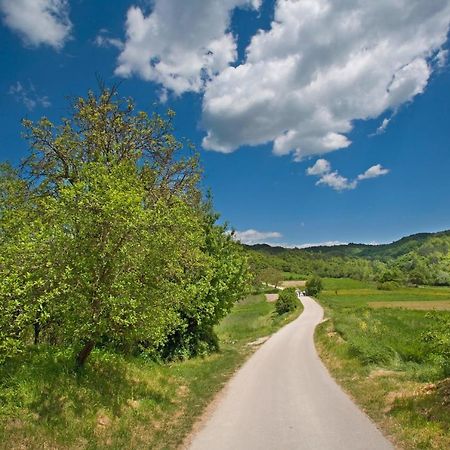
[122, 402]
[382, 358]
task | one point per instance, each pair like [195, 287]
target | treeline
[424, 261]
[106, 240]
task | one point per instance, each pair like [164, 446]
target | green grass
[381, 357]
[120, 402]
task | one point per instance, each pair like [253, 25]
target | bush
[287, 301]
[387, 286]
[313, 285]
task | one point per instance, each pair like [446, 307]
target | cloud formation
[104, 40]
[180, 44]
[38, 22]
[251, 236]
[322, 65]
[373, 172]
[322, 169]
[28, 96]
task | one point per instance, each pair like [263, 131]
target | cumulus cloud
[251, 237]
[180, 44]
[38, 22]
[322, 169]
[373, 172]
[28, 96]
[320, 66]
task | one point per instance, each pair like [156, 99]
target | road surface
[283, 398]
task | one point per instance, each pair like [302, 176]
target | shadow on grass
[44, 382]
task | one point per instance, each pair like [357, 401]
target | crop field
[427, 305]
[391, 351]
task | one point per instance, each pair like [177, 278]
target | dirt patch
[271, 297]
[259, 341]
[438, 305]
[293, 283]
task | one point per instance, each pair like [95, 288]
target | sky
[317, 121]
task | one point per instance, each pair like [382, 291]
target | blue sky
[316, 121]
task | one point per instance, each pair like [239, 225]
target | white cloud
[38, 21]
[336, 181]
[180, 44]
[373, 172]
[322, 169]
[322, 65]
[103, 40]
[319, 168]
[382, 128]
[28, 96]
[441, 58]
[256, 237]
[321, 244]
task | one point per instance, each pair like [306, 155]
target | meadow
[119, 402]
[394, 360]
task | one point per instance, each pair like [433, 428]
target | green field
[122, 402]
[394, 361]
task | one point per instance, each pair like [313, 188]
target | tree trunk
[37, 330]
[84, 353]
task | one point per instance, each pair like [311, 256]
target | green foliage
[387, 285]
[437, 338]
[106, 241]
[422, 259]
[287, 301]
[313, 285]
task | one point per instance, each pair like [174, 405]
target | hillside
[370, 251]
[422, 258]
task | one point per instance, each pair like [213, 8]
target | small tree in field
[287, 301]
[313, 285]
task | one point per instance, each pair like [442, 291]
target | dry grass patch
[293, 283]
[271, 297]
[438, 305]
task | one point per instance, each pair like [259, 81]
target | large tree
[118, 247]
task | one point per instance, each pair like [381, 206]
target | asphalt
[284, 398]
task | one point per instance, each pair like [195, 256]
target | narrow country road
[284, 398]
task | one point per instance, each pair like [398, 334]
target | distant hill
[380, 252]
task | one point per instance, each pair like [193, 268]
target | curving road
[284, 398]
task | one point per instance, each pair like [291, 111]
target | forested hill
[422, 258]
[381, 251]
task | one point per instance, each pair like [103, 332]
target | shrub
[287, 301]
[313, 285]
[387, 285]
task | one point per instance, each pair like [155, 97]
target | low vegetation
[122, 401]
[394, 361]
[313, 285]
[287, 301]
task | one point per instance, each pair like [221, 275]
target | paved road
[283, 398]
